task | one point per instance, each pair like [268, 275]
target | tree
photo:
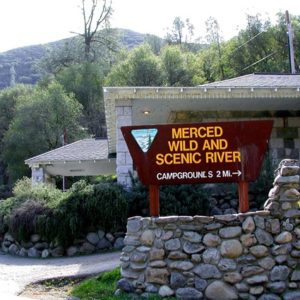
[254, 49]
[156, 43]
[141, 68]
[85, 81]
[182, 32]
[175, 66]
[193, 69]
[9, 98]
[214, 39]
[279, 31]
[81, 64]
[63, 56]
[260, 47]
[94, 44]
[175, 36]
[206, 61]
[39, 122]
[95, 17]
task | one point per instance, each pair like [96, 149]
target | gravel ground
[53, 289]
[17, 272]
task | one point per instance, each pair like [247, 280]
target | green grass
[102, 287]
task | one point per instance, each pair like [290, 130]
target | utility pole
[291, 45]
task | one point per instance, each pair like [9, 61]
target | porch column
[37, 175]
[124, 160]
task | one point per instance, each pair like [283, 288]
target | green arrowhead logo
[144, 137]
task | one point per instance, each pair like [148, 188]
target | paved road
[17, 272]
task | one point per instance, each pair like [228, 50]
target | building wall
[285, 139]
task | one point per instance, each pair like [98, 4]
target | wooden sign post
[216, 152]
[154, 200]
[243, 196]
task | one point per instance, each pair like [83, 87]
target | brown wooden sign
[195, 153]
[198, 153]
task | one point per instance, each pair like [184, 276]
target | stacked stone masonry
[285, 139]
[253, 255]
[124, 160]
[37, 247]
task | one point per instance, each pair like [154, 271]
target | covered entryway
[87, 157]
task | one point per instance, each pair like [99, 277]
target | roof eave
[137, 92]
[48, 162]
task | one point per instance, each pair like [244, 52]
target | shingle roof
[259, 81]
[86, 149]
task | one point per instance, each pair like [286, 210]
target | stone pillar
[124, 160]
[37, 175]
[284, 196]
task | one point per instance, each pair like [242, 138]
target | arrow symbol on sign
[238, 173]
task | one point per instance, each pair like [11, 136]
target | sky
[30, 22]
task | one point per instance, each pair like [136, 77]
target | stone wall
[37, 247]
[254, 255]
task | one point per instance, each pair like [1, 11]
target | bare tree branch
[93, 22]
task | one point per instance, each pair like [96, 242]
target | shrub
[24, 190]
[194, 199]
[13, 211]
[138, 198]
[23, 186]
[6, 206]
[261, 187]
[62, 217]
[174, 199]
[86, 207]
[23, 221]
[184, 199]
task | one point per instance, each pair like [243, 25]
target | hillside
[19, 65]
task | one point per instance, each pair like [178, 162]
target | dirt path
[17, 272]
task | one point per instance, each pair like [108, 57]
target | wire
[259, 61]
[245, 43]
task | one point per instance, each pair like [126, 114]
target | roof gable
[86, 149]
